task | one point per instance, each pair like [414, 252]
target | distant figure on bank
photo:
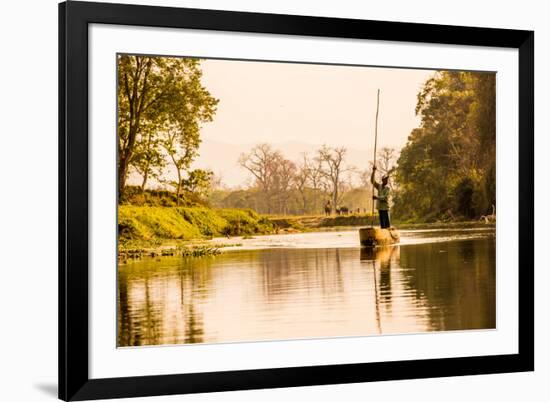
[382, 199]
[342, 210]
[328, 208]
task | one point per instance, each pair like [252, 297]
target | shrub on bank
[244, 222]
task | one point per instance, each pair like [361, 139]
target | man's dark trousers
[384, 219]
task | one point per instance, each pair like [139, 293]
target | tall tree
[332, 162]
[386, 164]
[147, 158]
[317, 181]
[285, 174]
[181, 136]
[262, 162]
[199, 182]
[301, 179]
[181, 148]
[387, 159]
[152, 93]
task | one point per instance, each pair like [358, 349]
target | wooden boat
[372, 237]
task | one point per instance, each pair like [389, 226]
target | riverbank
[187, 223]
[165, 231]
[321, 222]
[133, 252]
[154, 231]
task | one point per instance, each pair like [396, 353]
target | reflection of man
[382, 199]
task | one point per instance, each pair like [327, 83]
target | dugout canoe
[372, 237]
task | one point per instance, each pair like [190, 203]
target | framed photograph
[258, 201]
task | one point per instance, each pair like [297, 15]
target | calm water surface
[311, 285]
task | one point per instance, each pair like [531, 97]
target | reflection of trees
[132, 331]
[281, 272]
[161, 309]
[150, 326]
[124, 327]
[192, 285]
[455, 279]
[194, 324]
[437, 286]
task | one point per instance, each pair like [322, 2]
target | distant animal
[328, 208]
[342, 210]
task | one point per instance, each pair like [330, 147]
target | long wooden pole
[374, 157]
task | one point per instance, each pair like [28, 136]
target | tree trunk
[335, 197]
[145, 177]
[122, 173]
[178, 188]
[267, 201]
[143, 184]
[124, 160]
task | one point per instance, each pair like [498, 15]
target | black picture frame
[74, 381]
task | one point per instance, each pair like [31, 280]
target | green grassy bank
[156, 227]
[154, 224]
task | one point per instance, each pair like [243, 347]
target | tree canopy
[447, 168]
[161, 104]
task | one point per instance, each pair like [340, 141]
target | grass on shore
[158, 231]
[150, 225]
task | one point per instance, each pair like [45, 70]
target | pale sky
[315, 104]
[299, 107]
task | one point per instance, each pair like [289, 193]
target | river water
[311, 285]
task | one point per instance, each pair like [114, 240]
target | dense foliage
[161, 105]
[447, 169]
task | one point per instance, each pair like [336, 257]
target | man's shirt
[382, 203]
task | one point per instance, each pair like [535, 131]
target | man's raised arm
[373, 182]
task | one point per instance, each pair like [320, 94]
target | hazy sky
[316, 104]
[298, 108]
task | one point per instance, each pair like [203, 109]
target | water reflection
[265, 294]
[381, 258]
[457, 280]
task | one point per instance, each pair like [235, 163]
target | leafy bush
[244, 222]
[133, 195]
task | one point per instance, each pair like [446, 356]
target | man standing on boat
[382, 199]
